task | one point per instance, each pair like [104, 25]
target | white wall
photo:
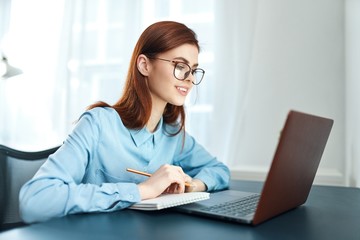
[297, 63]
[352, 36]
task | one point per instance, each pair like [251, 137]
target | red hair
[134, 106]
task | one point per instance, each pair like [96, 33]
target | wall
[352, 36]
[297, 63]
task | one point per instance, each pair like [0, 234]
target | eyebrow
[186, 61]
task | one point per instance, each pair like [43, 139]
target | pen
[149, 175]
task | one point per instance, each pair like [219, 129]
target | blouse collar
[140, 136]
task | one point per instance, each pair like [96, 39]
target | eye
[181, 66]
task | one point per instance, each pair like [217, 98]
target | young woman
[144, 130]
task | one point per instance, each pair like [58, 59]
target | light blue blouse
[88, 172]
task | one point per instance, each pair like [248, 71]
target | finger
[181, 187]
[171, 188]
[188, 179]
[176, 188]
[190, 188]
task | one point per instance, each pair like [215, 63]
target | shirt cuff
[128, 194]
[208, 181]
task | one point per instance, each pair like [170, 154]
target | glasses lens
[198, 76]
[181, 71]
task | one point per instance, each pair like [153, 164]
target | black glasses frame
[192, 71]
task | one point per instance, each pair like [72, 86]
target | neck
[156, 114]
[153, 122]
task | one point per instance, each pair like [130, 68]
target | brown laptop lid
[294, 166]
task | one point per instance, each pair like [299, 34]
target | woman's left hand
[196, 186]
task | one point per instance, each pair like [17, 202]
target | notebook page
[170, 200]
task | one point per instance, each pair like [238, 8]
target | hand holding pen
[167, 179]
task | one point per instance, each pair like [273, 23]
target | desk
[329, 213]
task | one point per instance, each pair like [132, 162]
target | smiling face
[163, 85]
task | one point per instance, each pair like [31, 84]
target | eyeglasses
[182, 71]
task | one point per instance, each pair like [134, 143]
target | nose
[190, 77]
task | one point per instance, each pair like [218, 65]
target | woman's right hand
[168, 178]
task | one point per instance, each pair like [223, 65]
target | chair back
[16, 168]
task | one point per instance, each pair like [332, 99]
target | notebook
[289, 180]
[170, 200]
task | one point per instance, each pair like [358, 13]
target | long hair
[134, 106]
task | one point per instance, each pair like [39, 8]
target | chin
[177, 103]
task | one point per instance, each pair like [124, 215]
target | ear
[143, 65]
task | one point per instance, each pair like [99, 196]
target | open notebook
[170, 200]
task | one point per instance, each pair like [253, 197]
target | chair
[16, 168]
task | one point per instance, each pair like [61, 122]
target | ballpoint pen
[149, 175]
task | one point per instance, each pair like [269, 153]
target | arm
[207, 172]
[58, 188]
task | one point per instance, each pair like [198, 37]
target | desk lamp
[6, 70]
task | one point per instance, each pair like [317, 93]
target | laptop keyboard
[238, 208]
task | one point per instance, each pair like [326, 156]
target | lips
[182, 90]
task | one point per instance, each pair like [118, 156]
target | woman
[144, 130]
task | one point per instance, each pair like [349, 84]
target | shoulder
[100, 114]
[104, 117]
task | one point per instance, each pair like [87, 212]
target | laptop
[289, 180]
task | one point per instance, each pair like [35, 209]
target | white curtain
[235, 26]
[26, 101]
[4, 19]
[100, 36]
[352, 31]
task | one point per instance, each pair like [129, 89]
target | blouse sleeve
[199, 163]
[57, 189]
